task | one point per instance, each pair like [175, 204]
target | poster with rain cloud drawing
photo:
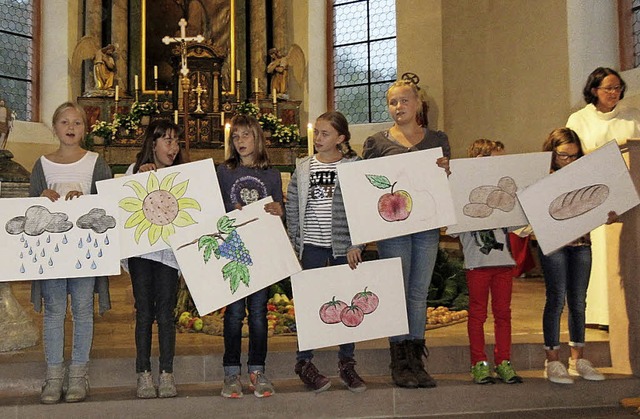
[576, 199]
[484, 189]
[232, 256]
[154, 205]
[337, 305]
[395, 195]
[63, 239]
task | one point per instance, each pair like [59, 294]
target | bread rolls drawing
[577, 202]
[484, 199]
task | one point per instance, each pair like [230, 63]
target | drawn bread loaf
[577, 202]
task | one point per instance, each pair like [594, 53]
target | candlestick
[256, 88]
[275, 99]
[227, 134]
[155, 72]
[117, 92]
[310, 138]
[175, 117]
[238, 75]
[135, 82]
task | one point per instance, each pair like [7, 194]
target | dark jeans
[318, 257]
[566, 275]
[235, 313]
[155, 287]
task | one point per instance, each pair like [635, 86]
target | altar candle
[310, 138]
[227, 134]
[274, 96]
[117, 92]
[255, 85]
[238, 75]
[222, 118]
[175, 117]
[135, 82]
[155, 72]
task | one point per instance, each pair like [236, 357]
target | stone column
[258, 42]
[120, 36]
[93, 28]
[279, 25]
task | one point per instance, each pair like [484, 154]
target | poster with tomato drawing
[154, 205]
[41, 239]
[484, 189]
[337, 305]
[395, 195]
[232, 256]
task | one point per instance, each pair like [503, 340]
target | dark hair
[421, 116]
[558, 137]
[261, 160]
[157, 129]
[484, 147]
[340, 124]
[595, 80]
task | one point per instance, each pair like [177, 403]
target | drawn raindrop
[80, 244]
[100, 253]
[35, 258]
[30, 251]
[93, 265]
[22, 270]
[21, 255]
[88, 256]
[50, 263]
[64, 239]
[40, 271]
[42, 253]
[21, 238]
[56, 249]
[78, 264]
[89, 238]
[26, 244]
[49, 238]
[106, 240]
[95, 243]
[38, 243]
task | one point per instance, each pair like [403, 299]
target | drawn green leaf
[236, 273]
[210, 246]
[379, 181]
[225, 224]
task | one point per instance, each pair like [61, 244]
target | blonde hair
[483, 147]
[405, 81]
[64, 107]
[261, 160]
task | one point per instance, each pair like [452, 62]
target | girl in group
[246, 177]
[67, 173]
[566, 276]
[417, 251]
[154, 276]
[317, 226]
[489, 267]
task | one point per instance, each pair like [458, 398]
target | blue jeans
[418, 253]
[256, 304]
[155, 288]
[566, 275]
[318, 257]
[54, 293]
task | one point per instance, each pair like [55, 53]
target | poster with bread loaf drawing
[484, 189]
[575, 200]
[395, 195]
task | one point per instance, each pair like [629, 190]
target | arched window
[363, 53]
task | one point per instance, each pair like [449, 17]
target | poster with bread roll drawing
[484, 189]
[571, 202]
[395, 195]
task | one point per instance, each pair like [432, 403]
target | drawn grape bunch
[233, 248]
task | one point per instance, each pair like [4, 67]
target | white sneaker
[555, 372]
[584, 368]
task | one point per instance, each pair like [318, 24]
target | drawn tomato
[330, 311]
[352, 316]
[366, 300]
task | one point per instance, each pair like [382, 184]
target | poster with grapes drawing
[395, 195]
[154, 205]
[484, 189]
[41, 239]
[232, 256]
[337, 305]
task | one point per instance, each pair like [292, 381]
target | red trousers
[498, 280]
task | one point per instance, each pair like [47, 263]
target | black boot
[417, 350]
[401, 372]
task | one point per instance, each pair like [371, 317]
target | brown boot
[401, 372]
[417, 350]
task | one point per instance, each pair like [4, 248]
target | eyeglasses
[565, 156]
[611, 89]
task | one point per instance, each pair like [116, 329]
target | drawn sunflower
[159, 208]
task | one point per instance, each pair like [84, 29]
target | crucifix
[199, 91]
[184, 70]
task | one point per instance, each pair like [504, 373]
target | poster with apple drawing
[573, 201]
[41, 239]
[234, 255]
[154, 205]
[337, 305]
[395, 195]
[484, 189]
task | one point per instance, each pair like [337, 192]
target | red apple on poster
[331, 310]
[394, 205]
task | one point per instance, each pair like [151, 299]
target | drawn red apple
[351, 316]
[366, 300]
[394, 205]
[330, 311]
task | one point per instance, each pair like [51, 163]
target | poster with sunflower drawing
[154, 205]
[40, 239]
[232, 256]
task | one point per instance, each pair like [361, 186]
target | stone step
[455, 396]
